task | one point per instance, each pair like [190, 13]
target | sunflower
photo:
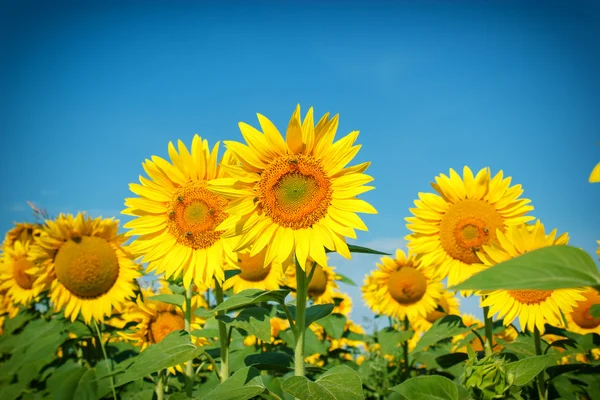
[595, 175]
[176, 216]
[22, 279]
[295, 195]
[322, 287]
[402, 287]
[580, 320]
[21, 231]
[344, 304]
[533, 307]
[255, 275]
[90, 270]
[449, 229]
[447, 302]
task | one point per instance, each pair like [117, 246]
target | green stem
[541, 380]
[489, 326]
[223, 336]
[108, 363]
[159, 387]
[405, 348]
[189, 367]
[301, 288]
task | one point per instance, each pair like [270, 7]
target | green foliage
[334, 325]
[251, 296]
[174, 299]
[339, 383]
[427, 388]
[256, 321]
[244, 384]
[443, 328]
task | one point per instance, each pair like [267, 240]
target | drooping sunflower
[89, 268]
[534, 308]
[295, 196]
[21, 278]
[447, 302]
[322, 287]
[402, 287]
[580, 319]
[449, 229]
[176, 217]
[255, 275]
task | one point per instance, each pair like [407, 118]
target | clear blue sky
[88, 91]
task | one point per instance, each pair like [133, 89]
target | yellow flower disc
[580, 320]
[530, 296]
[163, 324]
[407, 285]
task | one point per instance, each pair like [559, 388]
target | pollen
[530, 296]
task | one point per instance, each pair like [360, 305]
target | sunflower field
[220, 286]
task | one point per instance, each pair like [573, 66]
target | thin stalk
[108, 363]
[489, 326]
[223, 335]
[405, 349]
[159, 386]
[541, 380]
[301, 288]
[189, 367]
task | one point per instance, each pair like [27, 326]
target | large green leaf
[527, 369]
[63, 382]
[365, 250]
[390, 339]
[174, 349]
[255, 320]
[553, 267]
[339, 383]
[431, 387]
[317, 312]
[270, 361]
[244, 384]
[345, 279]
[334, 325]
[252, 296]
[443, 328]
[174, 299]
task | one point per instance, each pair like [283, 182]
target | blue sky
[88, 91]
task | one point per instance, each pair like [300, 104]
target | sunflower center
[467, 226]
[294, 191]
[23, 279]
[581, 313]
[530, 296]
[163, 324]
[87, 266]
[252, 267]
[318, 283]
[407, 285]
[434, 315]
[194, 213]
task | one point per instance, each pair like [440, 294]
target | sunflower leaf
[338, 383]
[252, 296]
[244, 384]
[527, 369]
[547, 268]
[444, 328]
[334, 325]
[427, 388]
[345, 279]
[173, 299]
[389, 339]
[317, 312]
[360, 249]
[255, 320]
[230, 273]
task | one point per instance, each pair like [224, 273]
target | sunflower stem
[159, 386]
[405, 348]
[189, 367]
[301, 288]
[541, 383]
[106, 359]
[489, 325]
[223, 335]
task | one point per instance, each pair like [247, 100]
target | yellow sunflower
[21, 231]
[402, 287]
[344, 306]
[449, 229]
[448, 302]
[255, 274]
[595, 175]
[176, 217]
[580, 320]
[22, 279]
[322, 287]
[295, 195]
[533, 307]
[90, 270]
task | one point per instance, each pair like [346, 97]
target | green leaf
[595, 310]
[206, 333]
[317, 312]
[244, 384]
[364, 250]
[556, 370]
[334, 325]
[174, 349]
[345, 279]
[204, 313]
[252, 296]
[174, 299]
[547, 268]
[443, 328]
[390, 339]
[451, 359]
[230, 273]
[255, 320]
[270, 361]
[527, 369]
[63, 382]
[339, 383]
[176, 289]
[430, 387]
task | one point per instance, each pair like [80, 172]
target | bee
[180, 198]
[189, 233]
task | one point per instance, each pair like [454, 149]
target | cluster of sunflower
[472, 223]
